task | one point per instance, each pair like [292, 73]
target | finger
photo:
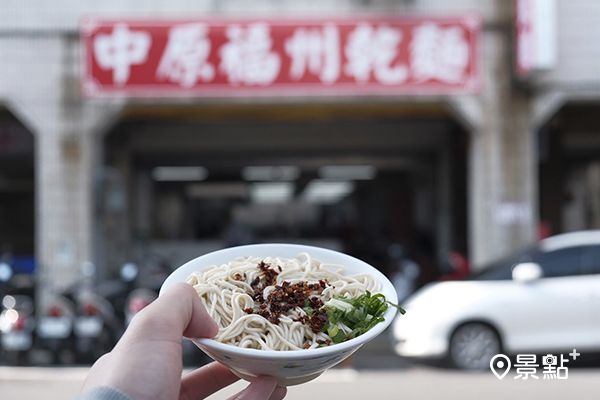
[146, 362]
[178, 311]
[261, 388]
[201, 325]
[205, 381]
[279, 393]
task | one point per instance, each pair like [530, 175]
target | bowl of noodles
[287, 310]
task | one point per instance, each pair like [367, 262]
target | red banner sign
[212, 57]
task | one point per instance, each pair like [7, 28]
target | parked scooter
[139, 287]
[123, 297]
[17, 325]
[137, 300]
[17, 321]
[96, 327]
[55, 329]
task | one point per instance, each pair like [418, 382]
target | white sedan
[543, 299]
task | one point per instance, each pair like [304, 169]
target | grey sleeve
[103, 393]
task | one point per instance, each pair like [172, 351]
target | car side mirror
[527, 272]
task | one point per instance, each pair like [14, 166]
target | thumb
[201, 324]
[178, 311]
[146, 362]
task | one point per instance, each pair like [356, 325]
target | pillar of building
[45, 97]
[66, 162]
[503, 195]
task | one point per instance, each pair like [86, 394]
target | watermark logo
[500, 365]
[527, 366]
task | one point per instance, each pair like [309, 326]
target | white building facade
[506, 122]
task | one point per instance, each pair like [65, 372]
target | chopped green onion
[402, 310]
[339, 304]
[333, 331]
[355, 315]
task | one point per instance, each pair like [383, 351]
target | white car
[543, 299]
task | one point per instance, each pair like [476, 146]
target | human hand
[147, 362]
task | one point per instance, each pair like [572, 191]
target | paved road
[374, 372]
[423, 383]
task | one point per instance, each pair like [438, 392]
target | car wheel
[473, 345]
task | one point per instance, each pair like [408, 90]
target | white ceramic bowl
[289, 367]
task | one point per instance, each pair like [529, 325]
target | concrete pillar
[64, 207]
[45, 97]
[66, 163]
[503, 198]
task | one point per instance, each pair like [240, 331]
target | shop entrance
[17, 210]
[379, 182]
[570, 170]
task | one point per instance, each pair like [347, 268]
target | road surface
[423, 383]
[374, 372]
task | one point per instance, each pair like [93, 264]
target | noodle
[227, 291]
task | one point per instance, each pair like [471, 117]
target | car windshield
[502, 269]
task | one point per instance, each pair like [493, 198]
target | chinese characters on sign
[265, 57]
[185, 59]
[535, 36]
[120, 50]
[526, 366]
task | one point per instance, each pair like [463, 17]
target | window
[502, 270]
[593, 266]
[564, 262]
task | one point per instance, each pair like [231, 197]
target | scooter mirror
[6, 272]
[88, 268]
[129, 272]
